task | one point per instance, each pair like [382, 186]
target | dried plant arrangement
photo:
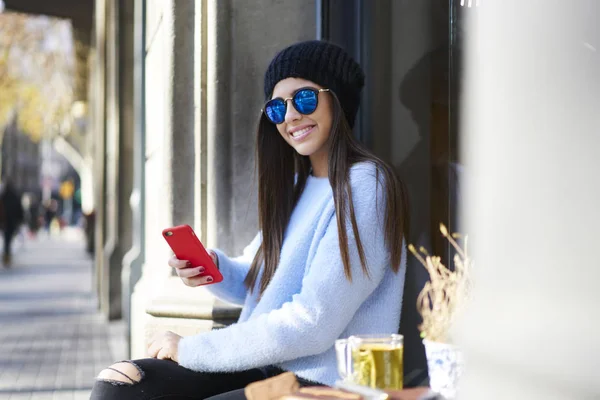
[445, 294]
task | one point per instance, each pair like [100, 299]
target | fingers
[198, 280]
[164, 346]
[178, 264]
[189, 275]
[163, 354]
[174, 262]
[153, 347]
[189, 272]
[153, 351]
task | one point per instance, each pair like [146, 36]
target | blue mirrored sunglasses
[304, 100]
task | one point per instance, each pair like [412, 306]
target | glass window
[411, 52]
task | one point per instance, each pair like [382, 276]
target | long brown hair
[277, 165]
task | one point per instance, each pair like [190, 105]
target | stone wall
[203, 93]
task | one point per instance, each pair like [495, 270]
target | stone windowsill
[179, 301]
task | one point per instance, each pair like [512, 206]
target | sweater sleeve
[234, 271]
[314, 318]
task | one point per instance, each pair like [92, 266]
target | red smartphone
[186, 246]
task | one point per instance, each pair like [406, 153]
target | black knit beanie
[323, 63]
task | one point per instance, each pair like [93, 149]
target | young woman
[328, 262]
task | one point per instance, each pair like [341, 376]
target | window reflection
[418, 132]
[411, 52]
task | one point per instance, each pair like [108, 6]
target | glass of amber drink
[375, 361]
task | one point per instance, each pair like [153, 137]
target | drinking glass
[375, 361]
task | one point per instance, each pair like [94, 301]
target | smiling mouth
[302, 133]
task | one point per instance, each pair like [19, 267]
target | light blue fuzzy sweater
[309, 303]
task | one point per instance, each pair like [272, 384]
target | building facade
[174, 88]
[175, 91]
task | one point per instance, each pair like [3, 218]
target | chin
[304, 151]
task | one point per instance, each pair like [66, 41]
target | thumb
[163, 354]
[214, 257]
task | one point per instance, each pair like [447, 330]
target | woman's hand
[164, 346]
[189, 274]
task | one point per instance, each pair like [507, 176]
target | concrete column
[134, 258]
[237, 59]
[124, 160]
[199, 164]
[110, 296]
[532, 140]
[218, 121]
[170, 145]
[169, 124]
[98, 117]
[200, 117]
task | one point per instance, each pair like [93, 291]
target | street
[53, 341]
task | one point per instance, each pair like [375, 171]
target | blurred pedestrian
[31, 213]
[12, 212]
[51, 210]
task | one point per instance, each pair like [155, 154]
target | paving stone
[52, 340]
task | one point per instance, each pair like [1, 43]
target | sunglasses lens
[275, 110]
[305, 101]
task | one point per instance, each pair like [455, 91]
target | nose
[291, 114]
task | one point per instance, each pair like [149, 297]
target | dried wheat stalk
[446, 292]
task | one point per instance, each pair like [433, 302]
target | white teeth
[301, 132]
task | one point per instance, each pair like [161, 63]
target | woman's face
[307, 134]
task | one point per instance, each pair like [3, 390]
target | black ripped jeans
[163, 380]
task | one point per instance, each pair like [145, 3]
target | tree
[37, 73]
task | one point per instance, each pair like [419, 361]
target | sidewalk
[53, 342]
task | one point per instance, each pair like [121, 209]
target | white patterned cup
[445, 364]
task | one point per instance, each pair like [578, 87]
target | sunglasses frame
[285, 102]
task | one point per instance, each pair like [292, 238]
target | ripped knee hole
[122, 373]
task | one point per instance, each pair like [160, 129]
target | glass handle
[343, 358]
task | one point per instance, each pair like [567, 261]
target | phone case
[185, 244]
